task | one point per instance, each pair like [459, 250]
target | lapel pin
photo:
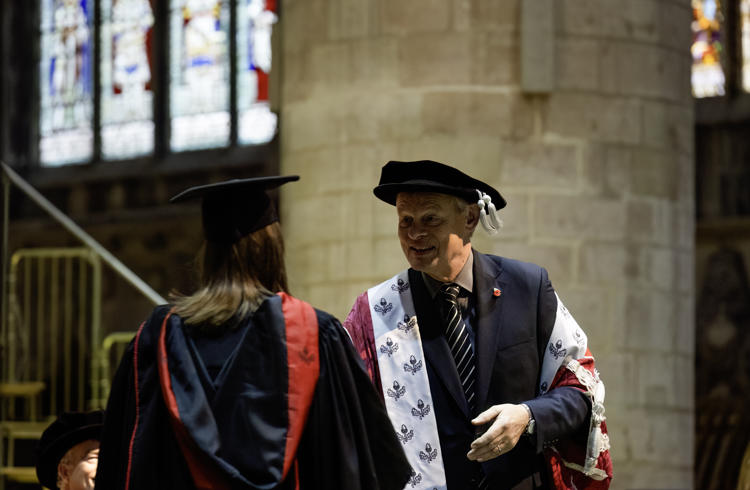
[496, 292]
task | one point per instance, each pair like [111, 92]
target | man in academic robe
[486, 376]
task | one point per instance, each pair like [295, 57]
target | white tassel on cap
[488, 214]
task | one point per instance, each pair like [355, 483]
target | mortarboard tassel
[488, 214]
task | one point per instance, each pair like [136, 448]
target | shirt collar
[465, 278]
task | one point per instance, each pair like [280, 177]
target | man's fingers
[488, 451]
[487, 415]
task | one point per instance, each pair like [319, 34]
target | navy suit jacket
[512, 332]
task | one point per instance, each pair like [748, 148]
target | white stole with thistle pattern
[406, 388]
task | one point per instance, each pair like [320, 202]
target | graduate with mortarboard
[240, 385]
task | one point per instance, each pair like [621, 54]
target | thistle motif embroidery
[421, 410]
[406, 434]
[557, 349]
[384, 307]
[415, 478]
[397, 391]
[413, 365]
[400, 286]
[407, 324]
[306, 356]
[429, 454]
[389, 347]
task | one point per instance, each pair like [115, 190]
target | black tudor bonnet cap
[69, 429]
[235, 208]
[430, 176]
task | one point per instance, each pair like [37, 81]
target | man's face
[434, 233]
[78, 466]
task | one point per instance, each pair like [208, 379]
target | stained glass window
[199, 74]
[66, 90]
[127, 100]
[256, 18]
[707, 49]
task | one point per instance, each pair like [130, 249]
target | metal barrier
[55, 297]
[51, 356]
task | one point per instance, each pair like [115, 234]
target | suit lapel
[436, 350]
[487, 278]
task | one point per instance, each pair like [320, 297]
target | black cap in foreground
[69, 429]
[235, 208]
[429, 176]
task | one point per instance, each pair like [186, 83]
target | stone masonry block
[304, 127]
[477, 114]
[540, 165]
[685, 271]
[684, 228]
[478, 154]
[351, 19]
[656, 381]
[494, 14]
[591, 309]
[684, 367]
[668, 127]
[651, 321]
[685, 181]
[634, 19]
[399, 116]
[462, 15]
[594, 117]
[674, 24]
[641, 220]
[575, 217]
[415, 16]
[495, 58]
[685, 334]
[329, 65]
[434, 59]
[577, 64]
[580, 17]
[660, 436]
[606, 263]
[645, 70]
[307, 20]
[295, 66]
[653, 174]
[315, 168]
[374, 62]
[617, 371]
[606, 170]
[316, 218]
[659, 264]
[538, 46]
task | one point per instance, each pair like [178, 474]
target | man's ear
[472, 217]
[63, 471]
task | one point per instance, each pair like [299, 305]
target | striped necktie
[458, 340]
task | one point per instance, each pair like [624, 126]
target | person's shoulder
[516, 268]
[513, 265]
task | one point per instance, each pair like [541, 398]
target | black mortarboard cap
[429, 176]
[235, 208]
[69, 429]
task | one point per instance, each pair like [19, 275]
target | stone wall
[598, 174]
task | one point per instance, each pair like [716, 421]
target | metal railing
[55, 270]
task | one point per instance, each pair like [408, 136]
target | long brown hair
[235, 278]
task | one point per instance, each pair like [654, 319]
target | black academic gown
[247, 426]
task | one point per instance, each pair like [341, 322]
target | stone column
[598, 173]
